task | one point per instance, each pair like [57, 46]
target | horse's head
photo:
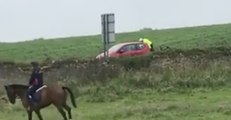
[11, 94]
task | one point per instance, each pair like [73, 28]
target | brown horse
[52, 94]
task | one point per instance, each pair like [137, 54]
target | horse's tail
[71, 95]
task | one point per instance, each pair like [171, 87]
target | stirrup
[30, 97]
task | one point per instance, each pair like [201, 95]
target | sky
[22, 20]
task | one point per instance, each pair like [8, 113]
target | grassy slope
[146, 105]
[143, 104]
[89, 46]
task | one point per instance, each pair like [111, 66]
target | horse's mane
[18, 86]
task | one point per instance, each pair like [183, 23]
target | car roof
[127, 43]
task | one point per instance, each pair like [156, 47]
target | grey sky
[29, 19]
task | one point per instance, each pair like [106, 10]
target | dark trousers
[31, 91]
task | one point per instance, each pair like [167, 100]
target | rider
[148, 42]
[36, 80]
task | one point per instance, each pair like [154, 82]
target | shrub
[135, 62]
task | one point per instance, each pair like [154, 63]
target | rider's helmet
[141, 39]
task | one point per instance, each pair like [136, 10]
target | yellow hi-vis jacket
[148, 42]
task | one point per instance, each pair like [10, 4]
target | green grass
[180, 93]
[173, 88]
[89, 46]
[200, 104]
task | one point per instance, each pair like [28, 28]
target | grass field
[200, 104]
[173, 87]
[179, 92]
[89, 46]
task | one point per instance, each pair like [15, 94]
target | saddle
[44, 86]
[37, 95]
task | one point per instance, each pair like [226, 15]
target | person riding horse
[35, 81]
[55, 94]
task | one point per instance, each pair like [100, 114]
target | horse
[51, 94]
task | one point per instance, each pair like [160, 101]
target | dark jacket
[36, 78]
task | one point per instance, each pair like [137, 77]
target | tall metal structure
[108, 31]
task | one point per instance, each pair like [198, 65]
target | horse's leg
[29, 112]
[39, 114]
[66, 107]
[62, 112]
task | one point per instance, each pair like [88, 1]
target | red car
[126, 49]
